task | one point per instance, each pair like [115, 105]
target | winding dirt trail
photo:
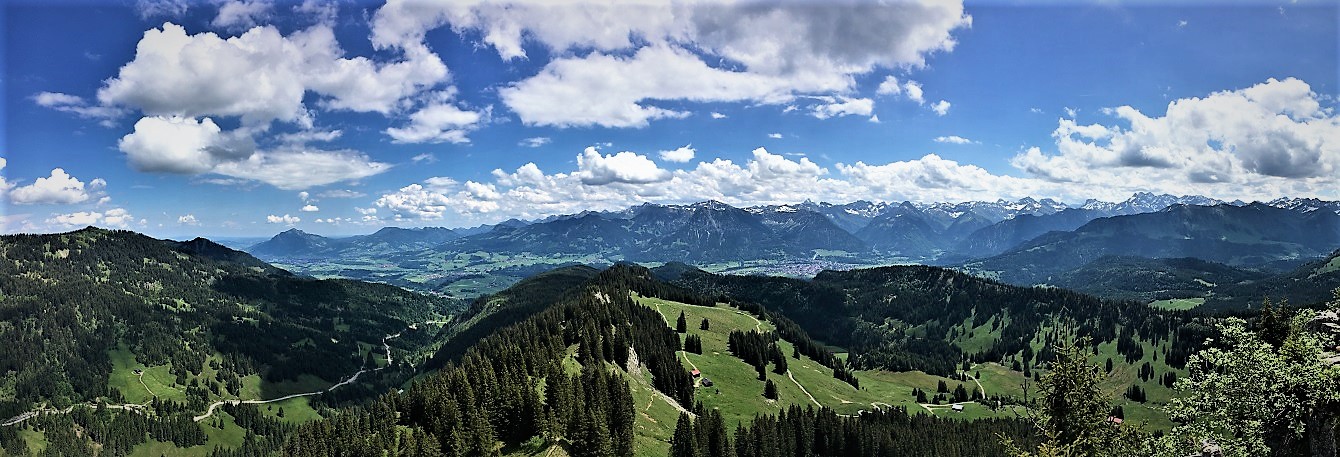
[350, 380]
[802, 388]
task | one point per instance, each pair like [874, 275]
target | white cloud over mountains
[115, 217]
[208, 101]
[181, 82]
[1261, 142]
[1273, 138]
[617, 181]
[58, 189]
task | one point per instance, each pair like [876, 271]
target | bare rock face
[1327, 325]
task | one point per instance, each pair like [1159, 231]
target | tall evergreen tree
[682, 443]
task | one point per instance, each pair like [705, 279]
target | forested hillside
[561, 378]
[101, 316]
[930, 319]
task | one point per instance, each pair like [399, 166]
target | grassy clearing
[1177, 304]
[157, 380]
[737, 392]
[35, 440]
[296, 410]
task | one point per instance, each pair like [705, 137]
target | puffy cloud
[59, 189]
[419, 201]
[770, 53]
[768, 166]
[261, 75]
[534, 142]
[914, 92]
[115, 217]
[426, 157]
[285, 219]
[185, 145]
[933, 178]
[954, 139]
[716, 115]
[681, 154]
[4, 185]
[1271, 139]
[889, 86]
[775, 136]
[596, 169]
[241, 13]
[187, 219]
[437, 123]
[843, 106]
[560, 95]
[310, 209]
[182, 145]
[293, 169]
[941, 108]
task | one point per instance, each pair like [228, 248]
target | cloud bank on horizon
[281, 98]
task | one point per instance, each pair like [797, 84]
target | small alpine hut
[958, 407]
[696, 373]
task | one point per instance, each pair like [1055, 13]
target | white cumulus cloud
[941, 107]
[285, 219]
[681, 154]
[1264, 141]
[115, 217]
[843, 106]
[596, 169]
[643, 53]
[58, 189]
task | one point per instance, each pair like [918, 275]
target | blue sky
[233, 118]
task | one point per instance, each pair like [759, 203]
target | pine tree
[770, 390]
[681, 324]
[704, 325]
[681, 444]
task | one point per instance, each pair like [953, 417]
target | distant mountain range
[944, 233]
[297, 243]
[1255, 235]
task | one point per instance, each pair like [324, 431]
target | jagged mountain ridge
[712, 231]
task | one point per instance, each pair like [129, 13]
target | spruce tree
[681, 324]
[681, 444]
